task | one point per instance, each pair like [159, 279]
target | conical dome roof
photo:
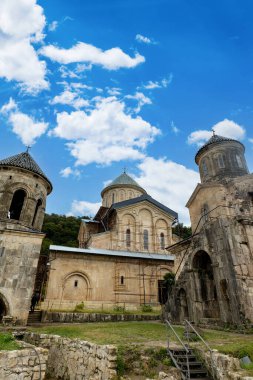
[123, 179]
[215, 139]
[24, 161]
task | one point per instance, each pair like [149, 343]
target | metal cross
[27, 148]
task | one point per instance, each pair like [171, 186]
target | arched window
[122, 280]
[204, 213]
[162, 240]
[221, 162]
[239, 161]
[39, 203]
[113, 198]
[145, 239]
[128, 238]
[204, 167]
[17, 204]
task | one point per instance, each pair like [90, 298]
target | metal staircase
[184, 357]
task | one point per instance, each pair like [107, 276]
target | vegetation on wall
[182, 231]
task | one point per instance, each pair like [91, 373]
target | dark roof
[123, 179]
[144, 197]
[215, 139]
[25, 161]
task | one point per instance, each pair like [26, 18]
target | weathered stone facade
[25, 364]
[70, 359]
[214, 268]
[103, 278]
[23, 192]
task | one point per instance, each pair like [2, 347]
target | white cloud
[104, 134]
[111, 59]
[65, 173]
[145, 40]
[24, 126]
[174, 128]
[70, 98]
[168, 182]
[21, 24]
[225, 128]
[151, 85]
[113, 91]
[83, 208]
[10, 106]
[53, 26]
[141, 100]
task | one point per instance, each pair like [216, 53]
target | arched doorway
[3, 308]
[205, 285]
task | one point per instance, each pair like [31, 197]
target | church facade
[121, 259]
[23, 192]
[214, 267]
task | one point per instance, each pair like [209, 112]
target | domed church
[121, 259]
[214, 267]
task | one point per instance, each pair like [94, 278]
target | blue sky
[95, 86]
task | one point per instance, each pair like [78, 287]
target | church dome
[25, 161]
[122, 188]
[221, 158]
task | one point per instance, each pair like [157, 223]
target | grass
[7, 342]
[151, 334]
[113, 311]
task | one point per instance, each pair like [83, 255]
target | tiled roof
[124, 179]
[107, 252]
[145, 197]
[25, 161]
[215, 139]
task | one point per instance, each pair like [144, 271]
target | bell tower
[23, 192]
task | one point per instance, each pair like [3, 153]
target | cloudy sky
[95, 86]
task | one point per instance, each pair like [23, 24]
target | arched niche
[76, 287]
[17, 204]
[4, 307]
[205, 286]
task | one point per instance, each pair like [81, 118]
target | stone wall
[62, 317]
[23, 364]
[225, 367]
[76, 359]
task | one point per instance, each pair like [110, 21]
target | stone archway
[4, 307]
[205, 286]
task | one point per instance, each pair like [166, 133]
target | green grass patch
[7, 342]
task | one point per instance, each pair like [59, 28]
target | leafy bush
[79, 307]
[146, 308]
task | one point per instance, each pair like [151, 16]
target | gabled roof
[144, 197]
[215, 139]
[123, 179]
[25, 161]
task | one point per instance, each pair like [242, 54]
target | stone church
[214, 267]
[23, 192]
[121, 259]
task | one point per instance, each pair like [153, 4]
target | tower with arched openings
[214, 268]
[23, 192]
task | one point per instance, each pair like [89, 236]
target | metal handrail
[183, 345]
[205, 343]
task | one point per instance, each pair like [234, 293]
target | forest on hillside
[60, 230]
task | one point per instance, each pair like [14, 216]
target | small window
[205, 213]
[162, 240]
[113, 196]
[221, 162]
[128, 238]
[239, 161]
[204, 167]
[76, 284]
[145, 239]
[122, 280]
